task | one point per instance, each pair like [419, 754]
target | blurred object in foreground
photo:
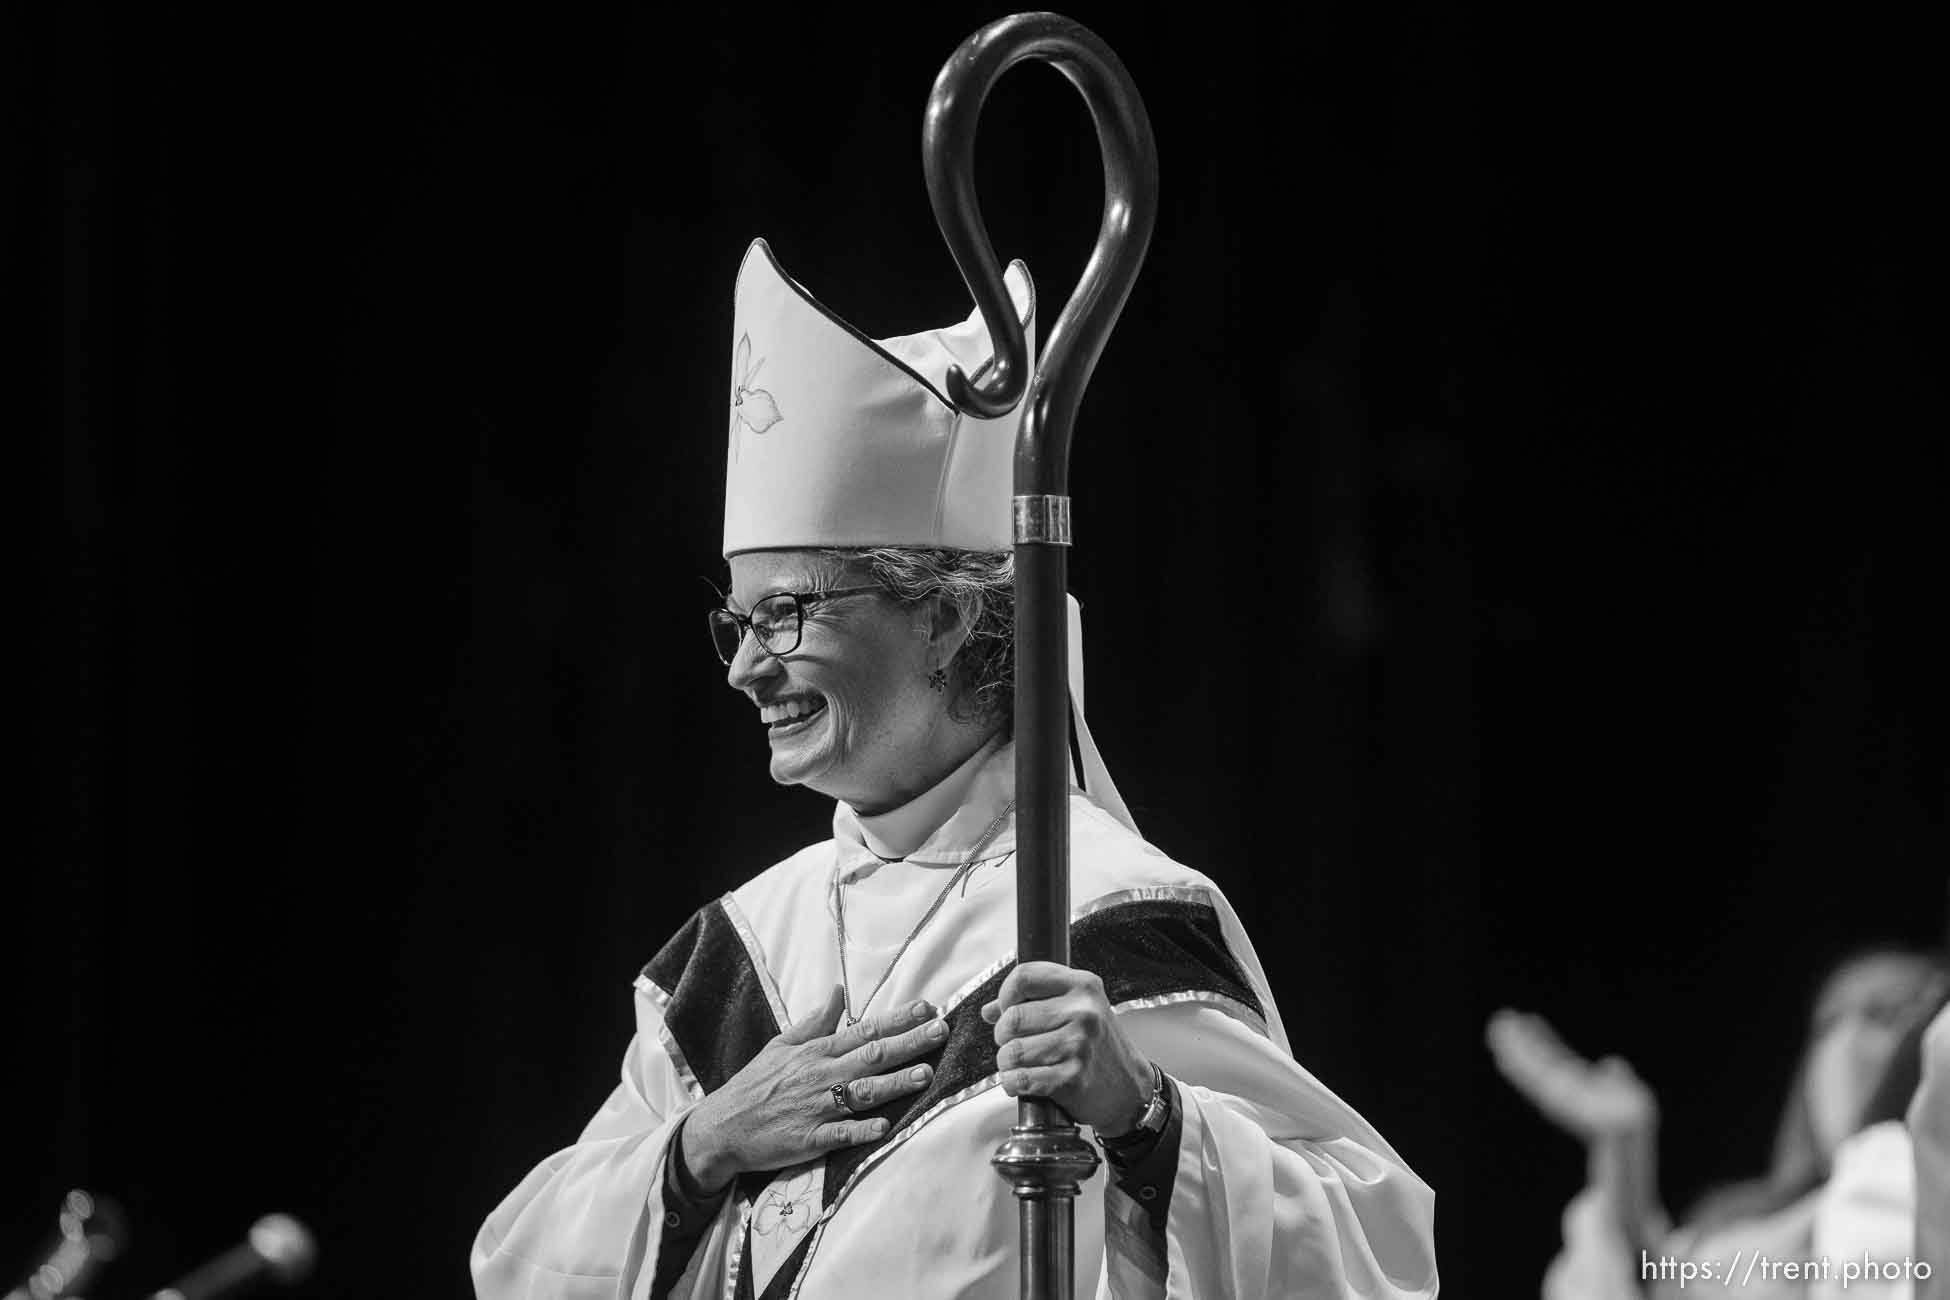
[279, 1249]
[92, 1231]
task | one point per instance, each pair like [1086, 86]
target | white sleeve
[587, 1221]
[1929, 1131]
[1866, 1214]
[1596, 1262]
[1281, 1190]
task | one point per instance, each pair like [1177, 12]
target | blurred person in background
[1838, 1180]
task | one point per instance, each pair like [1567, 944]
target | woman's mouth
[786, 717]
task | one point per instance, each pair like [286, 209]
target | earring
[938, 679]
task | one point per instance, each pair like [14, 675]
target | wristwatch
[1150, 1123]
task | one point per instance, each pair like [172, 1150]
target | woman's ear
[949, 624]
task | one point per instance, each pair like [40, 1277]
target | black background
[1509, 528]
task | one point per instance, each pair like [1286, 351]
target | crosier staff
[1046, 1157]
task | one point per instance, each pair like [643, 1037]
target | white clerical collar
[898, 832]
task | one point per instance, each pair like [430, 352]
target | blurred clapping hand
[1592, 1101]
[1607, 1107]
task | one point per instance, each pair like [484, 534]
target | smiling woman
[851, 712]
[824, 1057]
[820, 651]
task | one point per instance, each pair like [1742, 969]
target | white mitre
[845, 441]
[842, 440]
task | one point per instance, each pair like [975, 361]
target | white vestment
[1281, 1190]
[1865, 1219]
[1929, 1132]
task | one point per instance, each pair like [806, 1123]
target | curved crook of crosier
[1123, 235]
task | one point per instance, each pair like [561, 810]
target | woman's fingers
[876, 1029]
[1038, 1081]
[865, 1094]
[849, 1133]
[1027, 1018]
[877, 1053]
[1035, 980]
[879, 1089]
[1039, 1049]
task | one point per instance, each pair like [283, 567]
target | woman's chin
[799, 754]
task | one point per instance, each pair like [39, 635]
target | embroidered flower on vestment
[791, 1207]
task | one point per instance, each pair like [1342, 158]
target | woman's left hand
[1057, 1037]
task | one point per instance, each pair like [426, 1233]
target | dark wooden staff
[1046, 1158]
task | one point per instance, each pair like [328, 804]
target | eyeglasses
[776, 621]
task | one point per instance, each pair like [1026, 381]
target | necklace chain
[839, 917]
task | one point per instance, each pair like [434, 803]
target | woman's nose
[749, 665]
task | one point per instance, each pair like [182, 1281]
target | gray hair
[982, 585]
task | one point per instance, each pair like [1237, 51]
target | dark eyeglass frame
[801, 601]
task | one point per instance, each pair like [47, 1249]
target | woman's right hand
[779, 1110]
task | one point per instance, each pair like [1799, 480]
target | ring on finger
[844, 1097]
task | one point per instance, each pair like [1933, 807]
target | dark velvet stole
[717, 1011]
[781, 1284]
[719, 1017]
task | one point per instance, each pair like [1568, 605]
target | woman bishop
[826, 1058]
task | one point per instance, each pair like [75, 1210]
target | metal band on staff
[1043, 519]
[1045, 1158]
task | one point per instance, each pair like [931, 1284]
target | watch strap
[1150, 1122]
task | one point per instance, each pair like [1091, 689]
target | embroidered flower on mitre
[754, 408]
[790, 1207]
